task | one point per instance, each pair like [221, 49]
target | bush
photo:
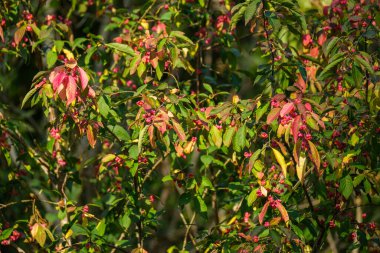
[189, 126]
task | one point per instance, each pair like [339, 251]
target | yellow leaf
[301, 165]
[108, 158]
[68, 234]
[68, 54]
[39, 234]
[281, 160]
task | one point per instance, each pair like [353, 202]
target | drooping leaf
[365, 63]
[19, 34]
[263, 212]
[228, 135]
[90, 136]
[51, 58]
[315, 155]
[141, 138]
[83, 78]
[239, 139]
[28, 96]
[38, 233]
[71, 90]
[122, 48]
[181, 35]
[284, 213]
[346, 186]
[251, 10]
[301, 166]
[179, 130]
[273, 115]
[1, 33]
[216, 136]
[281, 160]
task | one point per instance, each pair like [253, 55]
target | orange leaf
[284, 213]
[315, 155]
[275, 221]
[151, 136]
[71, 90]
[1, 34]
[273, 114]
[179, 130]
[90, 136]
[19, 34]
[263, 212]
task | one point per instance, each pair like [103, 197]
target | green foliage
[183, 126]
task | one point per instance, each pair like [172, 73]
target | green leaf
[327, 47]
[207, 160]
[216, 136]
[159, 69]
[208, 87]
[239, 139]
[207, 183]
[227, 137]
[346, 186]
[275, 236]
[122, 48]
[133, 152]
[251, 198]
[51, 58]
[237, 16]
[167, 178]
[125, 221]
[141, 69]
[180, 35]
[6, 233]
[28, 96]
[89, 54]
[141, 138]
[358, 179]
[329, 67]
[59, 45]
[260, 111]
[201, 205]
[364, 63]
[100, 229]
[119, 132]
[251, 10]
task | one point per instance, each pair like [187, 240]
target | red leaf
[56, 76]
[301, 108]
[284, 213]
[71, 90]
[296, 127]
[287, 108]
[1, 33]
[263, 212]
[19, 34]
[83, 78]
[273, 114]
[90, 136]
